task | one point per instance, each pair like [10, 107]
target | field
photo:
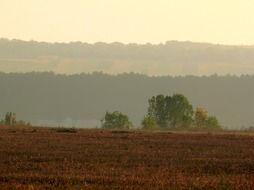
[34, 159]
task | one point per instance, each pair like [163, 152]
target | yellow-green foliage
[201, 116]
[116, 120]
[203, 120]
[149, 123]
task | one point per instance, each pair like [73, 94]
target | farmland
[44, 158]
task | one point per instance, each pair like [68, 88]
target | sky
[129, 21]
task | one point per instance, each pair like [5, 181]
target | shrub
[149, 123]
[203, 120]
[212, 122]
[200, 118]
[65, 130]
[116, 120]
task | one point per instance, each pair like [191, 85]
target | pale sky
[128, 21]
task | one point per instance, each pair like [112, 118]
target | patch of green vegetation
[116, 120]
[65, 130]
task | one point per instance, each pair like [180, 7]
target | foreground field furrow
[101, 159]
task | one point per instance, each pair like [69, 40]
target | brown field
[107, 160]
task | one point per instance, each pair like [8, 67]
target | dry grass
[100, 159]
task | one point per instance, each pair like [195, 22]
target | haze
[158, 39]
[217, 21]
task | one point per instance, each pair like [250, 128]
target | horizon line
[129, 43]
[128, 73]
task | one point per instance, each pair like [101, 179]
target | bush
[203, 120]
[200, 117]
[149, 123]
[65, 130]
[116, 120]
[212, 123]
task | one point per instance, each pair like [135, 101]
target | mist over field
[72, 98]
[103, 95]
[81, 100]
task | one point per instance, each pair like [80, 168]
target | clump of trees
[11, 120]
[203, 120]
[116, 120]
[165, 112]
[176, 112]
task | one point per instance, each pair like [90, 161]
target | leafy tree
[203, 120]
[201, 116]
[149, 123]
[181, 111]
[212, 122]
[170, 111]
[116, 120]
[158, 111]
[10, 118]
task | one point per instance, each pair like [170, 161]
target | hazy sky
[155, 21]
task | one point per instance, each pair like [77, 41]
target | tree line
[10, 119]
[52, 97]
[168, 112]
[163, 112]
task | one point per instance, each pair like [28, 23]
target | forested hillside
[172, 58]
[83, 99]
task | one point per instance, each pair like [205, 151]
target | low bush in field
[65, 130]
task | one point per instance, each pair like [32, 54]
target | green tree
[10, 118]
[181, 111]
[149, 123]
[157, 110]
[200, 118]
[170, 111]
[116, 120]
[212, 122]
[203, 120]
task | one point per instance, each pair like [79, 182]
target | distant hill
[172, 58]
[83, 99]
